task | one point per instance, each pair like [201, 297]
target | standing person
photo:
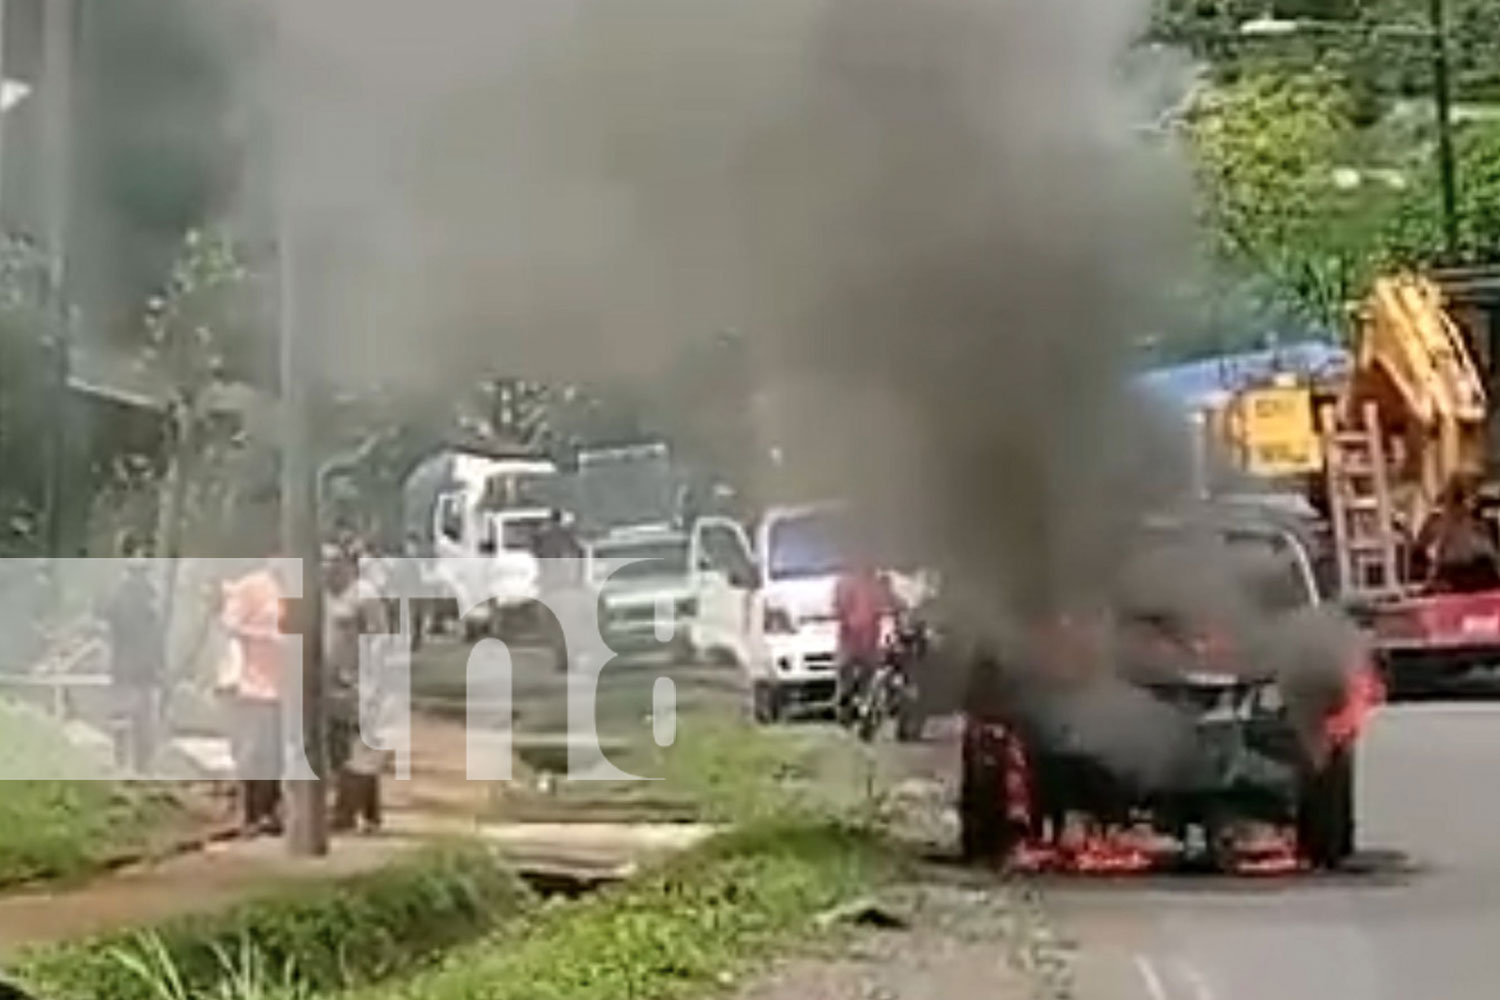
[862, 602]
[411, 573]
[353, 608]
[1457, 544]
[556, 540]
[252, 676]
[132, 614]
[557, 549]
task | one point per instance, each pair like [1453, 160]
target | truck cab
[695, 590]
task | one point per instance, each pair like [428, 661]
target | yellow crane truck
[1375, 449]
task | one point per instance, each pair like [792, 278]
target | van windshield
[519, 534]
[805, 545]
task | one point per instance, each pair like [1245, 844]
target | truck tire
[767, 704]
[981, 808]
[1325, 821]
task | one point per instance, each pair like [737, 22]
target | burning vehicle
[1209, 718]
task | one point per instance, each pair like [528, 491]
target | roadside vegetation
[52, 828]
[453, 923]
[697, 921]
[295, 941]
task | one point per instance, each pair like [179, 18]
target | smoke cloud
[935, 225]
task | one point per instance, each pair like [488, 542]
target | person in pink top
[863, 602]
[251, 613]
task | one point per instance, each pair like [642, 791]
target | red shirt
[861, 603]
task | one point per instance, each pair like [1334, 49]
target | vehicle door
[728, 582]
[457, 540]
[449, 526]
[518, 571]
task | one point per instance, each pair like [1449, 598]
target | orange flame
[1364, 693]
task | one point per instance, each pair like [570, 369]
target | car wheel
[767, 701]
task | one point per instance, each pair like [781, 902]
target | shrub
[344, 933]
[669, 932]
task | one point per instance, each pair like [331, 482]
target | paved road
[1424, 924]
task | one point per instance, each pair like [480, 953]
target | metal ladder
[1359, 505]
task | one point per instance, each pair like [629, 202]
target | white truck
[483, 511]
[694, 591]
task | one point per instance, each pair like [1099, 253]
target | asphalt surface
[1420, 920]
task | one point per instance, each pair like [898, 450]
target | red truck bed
[1438, 643]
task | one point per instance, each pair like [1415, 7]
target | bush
[671, 931]
[53, 825]
[345, 933]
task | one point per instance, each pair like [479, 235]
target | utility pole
[4, 114]
[58, 31]
[1443, 102]
[307, 831]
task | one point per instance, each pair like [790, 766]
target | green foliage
[244, 975]
[1313, 177]
[671, 932]
[329, 937]
[220, 469]
[1265, 151]
[187, 323]
[54, 827]
[735, 772]
[1379, 39]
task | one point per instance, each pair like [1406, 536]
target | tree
[1285, 191]
[216, 471]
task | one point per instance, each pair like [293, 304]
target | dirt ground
[955, 942]
[959, 933]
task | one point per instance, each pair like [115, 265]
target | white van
[801, 562]
[800, 568]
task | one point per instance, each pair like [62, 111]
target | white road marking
[1150, 977]
[1195, 980]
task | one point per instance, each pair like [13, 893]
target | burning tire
[983, 832]
[991, 793]
[1325, 814]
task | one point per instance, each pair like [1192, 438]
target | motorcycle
[891, 693]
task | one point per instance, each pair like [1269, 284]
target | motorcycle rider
[863, 601]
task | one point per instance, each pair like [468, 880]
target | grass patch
[671, 932]
[721, 769]
[343, 934]
[59, 830]
[55, 825]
